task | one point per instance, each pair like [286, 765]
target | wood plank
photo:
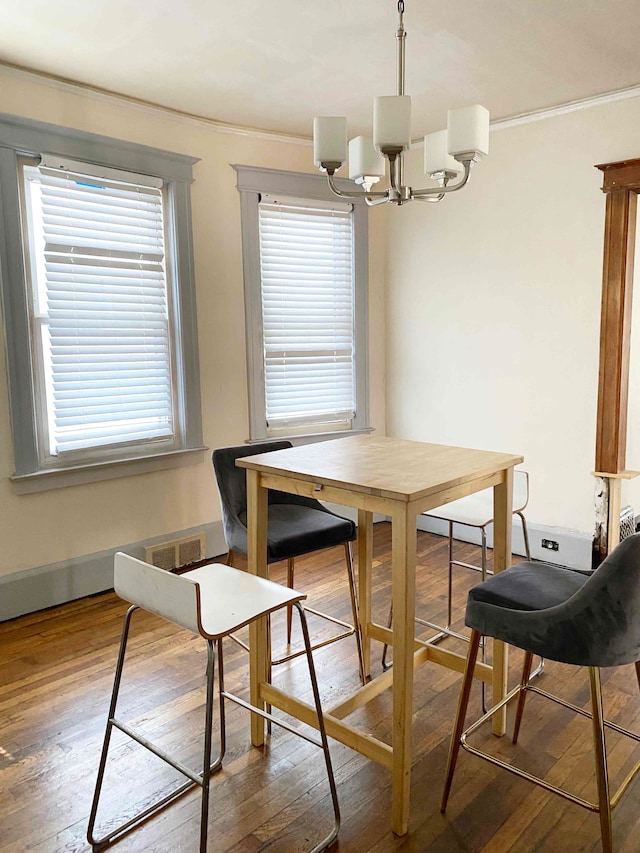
[361, 742]
[425, 652]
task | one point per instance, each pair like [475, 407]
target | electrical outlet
[550, 545]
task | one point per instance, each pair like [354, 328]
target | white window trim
[24, 137]
[252, 182]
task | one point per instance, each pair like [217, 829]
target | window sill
[59, 478]
[311, 438]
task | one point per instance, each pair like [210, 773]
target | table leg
[365, 558]
[403, 573]
[258, 630]
[503, 521]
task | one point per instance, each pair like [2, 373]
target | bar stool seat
[212, 601]
[589, 619]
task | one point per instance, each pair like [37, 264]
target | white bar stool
[211, 601]
[476, 511]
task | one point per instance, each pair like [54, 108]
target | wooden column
[621, 185]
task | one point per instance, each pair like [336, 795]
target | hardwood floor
[56, 670]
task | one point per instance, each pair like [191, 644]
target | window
[306, 274]
[305, 263]
[99, 307]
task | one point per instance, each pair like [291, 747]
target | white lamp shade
[364, 160]
[329, 139]
[436, 154]
[468, 131]
[392, 122]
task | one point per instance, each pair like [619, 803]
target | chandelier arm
[334, 189]
[373, 202]
[434, 199]
[449, 189]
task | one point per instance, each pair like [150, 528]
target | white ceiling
[274, 64]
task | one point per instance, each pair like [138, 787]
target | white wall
[493, 305]
[60, 525]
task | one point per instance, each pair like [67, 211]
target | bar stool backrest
[175, 598]
[520, 490]
[598, 626]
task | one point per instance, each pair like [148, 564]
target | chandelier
[448, 154]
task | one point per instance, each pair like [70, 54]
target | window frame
[252, 182]
[28, 138]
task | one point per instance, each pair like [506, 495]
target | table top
[388, 467]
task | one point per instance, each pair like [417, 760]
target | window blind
[97, 261]
[306, 263]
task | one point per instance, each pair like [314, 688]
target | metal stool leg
[602, 777]
[525, 534]
[450, 583]
[527, 551]
[194, 779]
[207, 767]
[321, 743]
[463, 702]
[107, 735]
[354, 609]
[290, 582]
[331, 837]
[526, 673]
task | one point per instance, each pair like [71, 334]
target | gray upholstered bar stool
[211, 601]
[589, 619]
[296, 525]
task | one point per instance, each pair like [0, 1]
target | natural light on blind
[306, 259]
[97, 263]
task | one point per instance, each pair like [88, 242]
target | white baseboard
[574, 548]
[56, 583]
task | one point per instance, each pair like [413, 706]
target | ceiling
[274, 64]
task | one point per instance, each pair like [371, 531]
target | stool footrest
[517, 771]
[196, 778]
[267, 716]
[348, 632]
[136, 821]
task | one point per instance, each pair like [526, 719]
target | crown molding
[151, 108]
[63, 84]
[565, 109]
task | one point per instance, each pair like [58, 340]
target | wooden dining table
[400, 480]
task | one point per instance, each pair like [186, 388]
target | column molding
[621, 184]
